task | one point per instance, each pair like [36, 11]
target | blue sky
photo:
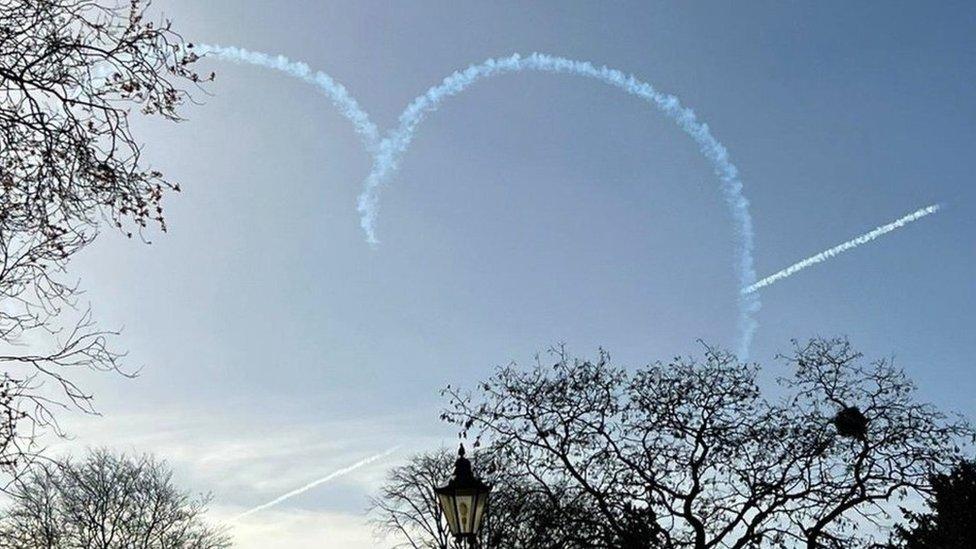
[533, 209]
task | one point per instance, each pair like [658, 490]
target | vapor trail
[388, 150]
[314, 483]
[841, 248]
[335, 91]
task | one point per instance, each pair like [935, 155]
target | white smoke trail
[314, 483]
[335, 91]
[386, 160]
[387, 152]
[841, 248]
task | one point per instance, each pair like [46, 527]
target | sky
[276, 346]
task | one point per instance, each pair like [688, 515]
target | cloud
[303, 529]
[244, 459]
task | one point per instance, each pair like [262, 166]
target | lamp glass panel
[482, 503]
[466, 511]
[450, 511]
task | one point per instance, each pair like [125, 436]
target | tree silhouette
[71, 73]
[951, 520]
[520, 515]
[690, 454]
[106, 501]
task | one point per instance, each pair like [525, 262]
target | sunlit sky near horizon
[277, 346]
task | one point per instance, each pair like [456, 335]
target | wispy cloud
[279, 528]
[239, 457]
[242, 457]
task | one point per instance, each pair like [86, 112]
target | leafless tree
[406, 504]
[521, 515]
[106, 501]
[690, 454]
[71, 73]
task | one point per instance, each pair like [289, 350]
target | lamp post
[463, 501]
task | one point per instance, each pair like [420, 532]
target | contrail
[335, 91]
[387, 152]
[314, 483]
[839, 249]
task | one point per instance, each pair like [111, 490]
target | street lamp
[463, 501]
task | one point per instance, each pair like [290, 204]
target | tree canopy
[690, 453]
[71, 74]
[950, 522]
[105, 501]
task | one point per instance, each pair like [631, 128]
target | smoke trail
[386, 160]
[839, 249]
[314, 483]
[335, 91]
[387, 152]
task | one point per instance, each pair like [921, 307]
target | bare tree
[407, 506]
[521, 514]
[71, 73]
[690, 453]
[107, 501]
[889, 444]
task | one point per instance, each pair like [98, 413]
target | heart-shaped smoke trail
[387, 151]
[336, 92]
